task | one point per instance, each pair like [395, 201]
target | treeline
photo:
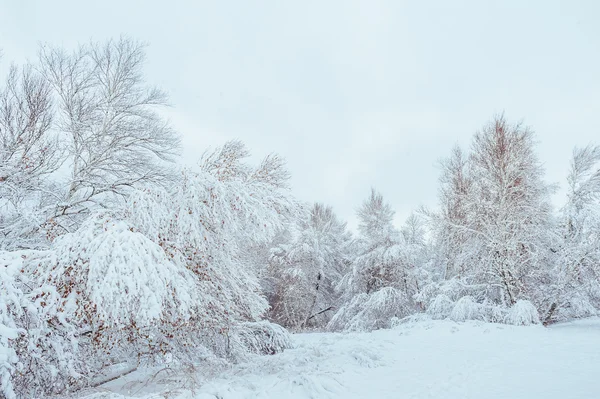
[114, 257]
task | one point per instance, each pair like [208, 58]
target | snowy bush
[128, 297]
[522, 313]
[493, 313]
[347, 312]
[10, 308]
[38, 343]
[581, 306]
[367, 312]
[120, 277]
[440, 308]
[260, 338]
[577, 305]
[465, 309]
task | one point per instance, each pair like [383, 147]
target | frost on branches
[78, 132]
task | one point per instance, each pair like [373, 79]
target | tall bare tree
[109, 117]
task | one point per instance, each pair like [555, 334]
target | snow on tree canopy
[210, 218]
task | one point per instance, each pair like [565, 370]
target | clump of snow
[440, 308]
[466, 309]
[522, 313]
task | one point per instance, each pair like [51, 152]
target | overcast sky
[353, 94]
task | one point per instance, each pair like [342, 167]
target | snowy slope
[421, 359]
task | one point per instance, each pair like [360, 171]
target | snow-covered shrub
[440, 308]
[580, 306]
[127, 292]
[10, 308]
[367, 312]
[347, 312]
[522, 313]
[466, 309]
[260, 338]
[38, 341]
[493, 313]
[121, 274]
[379, 309]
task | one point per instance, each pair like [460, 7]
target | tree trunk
[314, 302]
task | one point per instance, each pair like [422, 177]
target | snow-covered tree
[575, 287]
[495, 233]
[78, 131]
[512, 212]
[207, 222]
[451, 231]
[382, 282]
[307, 268]
[108, 118]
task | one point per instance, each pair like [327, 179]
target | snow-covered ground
[419, 359]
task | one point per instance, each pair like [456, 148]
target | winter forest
[115, 256]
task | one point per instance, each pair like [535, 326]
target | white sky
[353, 94]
